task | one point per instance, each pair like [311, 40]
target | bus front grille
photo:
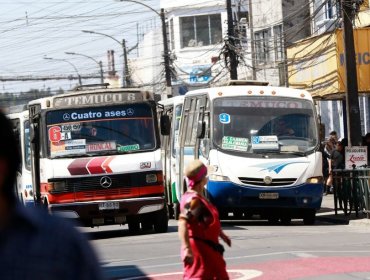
[276, 182]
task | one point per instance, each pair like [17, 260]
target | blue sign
[224, 118]
[255, 139]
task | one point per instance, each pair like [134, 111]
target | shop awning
[317, 64]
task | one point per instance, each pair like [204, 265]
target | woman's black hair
[10, 153]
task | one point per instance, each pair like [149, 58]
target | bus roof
[94, 97]
[20, 115]
[244, 90]
[173, 101]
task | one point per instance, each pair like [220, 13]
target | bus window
[107, 130]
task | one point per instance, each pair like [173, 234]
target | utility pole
[167, 68]
[352, 104]
[254, 76]
[231, 42]
[125, 72]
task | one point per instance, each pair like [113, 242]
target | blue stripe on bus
[230, 195]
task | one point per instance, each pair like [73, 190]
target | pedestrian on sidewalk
[34, 244]
[200, 229]
[330, 147]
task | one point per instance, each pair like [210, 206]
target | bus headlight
[315, 180]
[216, 177]
[56, 186]
[151, 178]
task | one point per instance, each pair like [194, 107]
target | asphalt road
[336, 247]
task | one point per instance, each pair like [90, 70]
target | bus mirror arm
[34, 133]
[165, 125]
[201, 129]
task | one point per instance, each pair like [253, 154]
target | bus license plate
[269, 195]
[108, 205]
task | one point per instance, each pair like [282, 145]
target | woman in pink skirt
[200, 229]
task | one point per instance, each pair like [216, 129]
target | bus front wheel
[161, 221]
[309, 217]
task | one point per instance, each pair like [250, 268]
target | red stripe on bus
[95, 165]
[78, 166]
[106, 166]
[134, 192]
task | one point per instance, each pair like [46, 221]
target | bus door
[35, 123]
[17, 133]
[166, 153]
[192, 129]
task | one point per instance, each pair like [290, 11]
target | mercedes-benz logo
[267, 180]
[66, 117]
[130, 111]
[105, 182]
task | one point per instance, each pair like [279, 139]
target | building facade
[317, 63]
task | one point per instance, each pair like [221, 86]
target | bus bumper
[104, 212]
[227, 195]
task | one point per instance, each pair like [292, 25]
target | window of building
[262, 42]
[197, 31]
[278, 43]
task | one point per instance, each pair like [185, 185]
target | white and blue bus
[171, 107]
[256, 166]
[21, 127]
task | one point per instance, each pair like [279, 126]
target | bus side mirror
[165, 125]
[205, 147]
[33, 133]
[201, 129]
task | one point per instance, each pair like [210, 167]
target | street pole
[123, 46]
[166, 58]
[100, 64]
[101, 72]
[231, 42]
[254, 76]
[125, 62]
[353, 109]
[70, 63]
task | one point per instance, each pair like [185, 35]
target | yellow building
[318, 63]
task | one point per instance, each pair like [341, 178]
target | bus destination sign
[96, 99]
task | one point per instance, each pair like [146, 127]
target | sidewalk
[327, 213]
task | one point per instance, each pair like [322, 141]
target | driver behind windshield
[283, 129]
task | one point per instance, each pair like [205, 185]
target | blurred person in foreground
[34, 244]
[200, 229]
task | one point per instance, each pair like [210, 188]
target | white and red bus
[21, 127]
[96, 157]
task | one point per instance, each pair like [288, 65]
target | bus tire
[309, 217]
[273, 220]
[161, 221]
[133, 227]
[286, 220]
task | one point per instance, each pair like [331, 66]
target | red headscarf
[192, 180]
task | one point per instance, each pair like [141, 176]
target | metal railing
[352, 190]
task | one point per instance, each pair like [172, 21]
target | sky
[32, 30]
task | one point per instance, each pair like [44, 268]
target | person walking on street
[330, 147]
[200, 229]
[34, 244]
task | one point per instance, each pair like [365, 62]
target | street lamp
[125, 76]
[70, 63]
[166, 58]
[97, 62]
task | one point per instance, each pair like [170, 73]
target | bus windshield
[100, 130]
[264, 124]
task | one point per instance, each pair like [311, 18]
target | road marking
[304, 255]
[245, 274]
